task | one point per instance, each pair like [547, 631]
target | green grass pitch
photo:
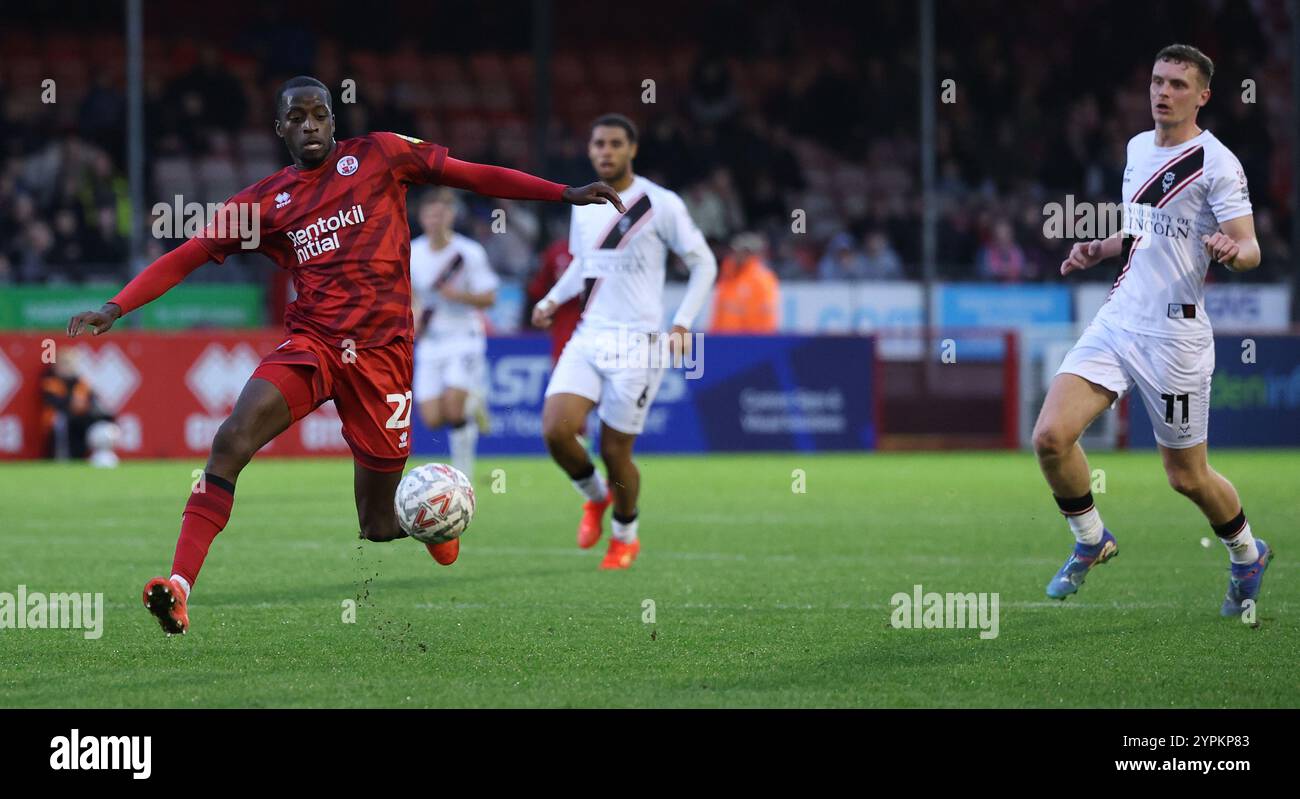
[762, 596]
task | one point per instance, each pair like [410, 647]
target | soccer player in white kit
[1186, 204]
[451, 285]
[616, 358]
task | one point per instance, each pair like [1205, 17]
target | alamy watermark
[934, 611]
[34, 610]
[77, 752]
[624, 348]
[221, 221]
[1142, 222]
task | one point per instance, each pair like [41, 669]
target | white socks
[1087, 527]
[185, 584]
[625, 532]
[1241, 547]
[592, 487]
[463, 442]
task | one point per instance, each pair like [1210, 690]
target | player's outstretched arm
[1235, 245]
[1087, 254]
[156, 279]
[512, 184]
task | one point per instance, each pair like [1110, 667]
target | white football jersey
[623, 257]
[462, 265]
[1172, 197]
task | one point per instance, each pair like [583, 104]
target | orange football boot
[166, 600]
[446, 552]
[620, 554]
[589, 527]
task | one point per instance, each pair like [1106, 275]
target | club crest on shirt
[624, 224]
[347, 165]
[1167, 182]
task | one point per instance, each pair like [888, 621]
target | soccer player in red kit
[556, 259]
[336, 219]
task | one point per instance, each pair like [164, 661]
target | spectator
[70, 407]
[880, 261]
[105, 245]
[713, 99]
[207, 96]
[36, 246]
[842, 260]
[1002, 259]
[714, 206]
[747, 297]
[69, 246]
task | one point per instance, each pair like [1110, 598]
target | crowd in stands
[776, 123]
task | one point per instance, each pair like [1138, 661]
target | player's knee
[557, 430]
[1050, 441]
[615, 450]
[1188, 482]
[233, 440]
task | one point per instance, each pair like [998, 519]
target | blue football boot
[1083, 558]
[1245, 581]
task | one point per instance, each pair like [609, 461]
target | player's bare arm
[482, 299]
[1235, 245]
[1087, 254]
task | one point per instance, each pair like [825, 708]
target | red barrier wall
[169, 391]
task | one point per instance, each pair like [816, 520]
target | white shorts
[1172, 375]
[442, 365]
[621, 374]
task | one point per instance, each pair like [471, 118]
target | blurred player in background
[451, 285]
[615, 360]
[336, 218]
[554, 261]
[1186, 204]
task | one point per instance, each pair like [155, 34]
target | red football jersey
[340, 229]
[556, 259]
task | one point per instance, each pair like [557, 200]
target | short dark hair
[300, 82]
[616, 121]
[1186, 54]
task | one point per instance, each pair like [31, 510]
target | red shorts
[371, 389]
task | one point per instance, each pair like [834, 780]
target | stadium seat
[217, 178]
[174, 175]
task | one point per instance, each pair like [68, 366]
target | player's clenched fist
[542, 313]
[1084, 255]
[98, 321]
[1221, 248]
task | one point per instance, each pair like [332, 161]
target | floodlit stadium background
[901, 226]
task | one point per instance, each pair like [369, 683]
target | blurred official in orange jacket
[747, 298]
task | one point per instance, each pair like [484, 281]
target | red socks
[206, 513]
